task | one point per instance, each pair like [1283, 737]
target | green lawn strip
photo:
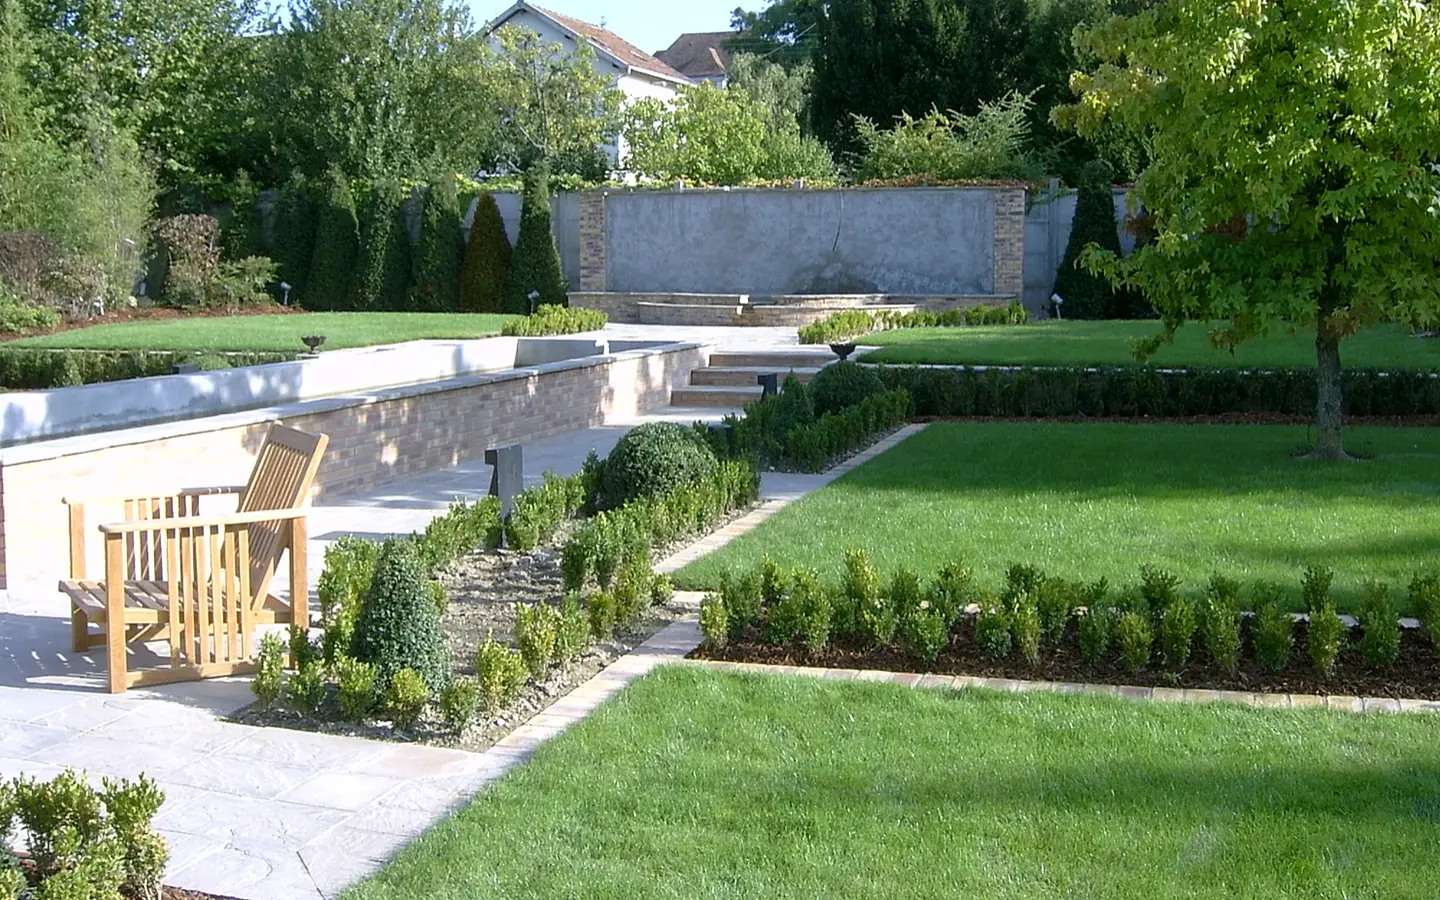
[1091, 500]
[702, 784]
[1111, 343]
[276, 333]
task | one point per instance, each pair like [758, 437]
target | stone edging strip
[1128, 692]
[753, 519]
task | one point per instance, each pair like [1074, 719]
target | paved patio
[274, 814]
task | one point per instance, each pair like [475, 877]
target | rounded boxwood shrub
[842, 385]
[653, 459]
[399, 623]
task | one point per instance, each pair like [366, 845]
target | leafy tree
[990, 144]
[438, 252]
[240, 231]
[487, 260]
[337, 241]
[294, 237]
[784, 31]
[382, 266]
[1088, 295]
[783, 92]
[536, 263]
[550, 103]
[1292, 175]
[881, 58]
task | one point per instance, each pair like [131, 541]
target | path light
[1058, 301]
[533, 295]
[284, 293]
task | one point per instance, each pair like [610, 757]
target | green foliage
[438, 253]
[1220, 622]
[1093, 632]
[926, 633]
[270, 671]
[501, 673]
[1026, 629]
[662, 590]
[947, 147]
[458, 703]
[357, 688]
[1379, 625]
[1261, 231]
[600, 613]
[1134, 635]
[535, 628]
[954, 590]
[305, 690]
[465, 528]
[842, 385]
[744, 602]
[875, 616]
[812, 607]
[406, 698]
[240, 230]
[905, 594]
[302, 649]
[853, 323]
[1272, 629]
[383, 261]
[1324, 639]
[715, 621]
[812, 447]
[1089, 295]
[1315, 587]
[572, 630]
[486, 265]
[539, 512]
[189, 245]
[575, 563]
[549, 320]
[38, 370]
[337, 244]
[398, 626]
[653, 459]
[1425, 600]
[1054, 600]
[343, 583]
[535, 267]
[294, 240]
[1177, 631]
[1158, 588]
[632, 591]
[19, 317]
[992, 630]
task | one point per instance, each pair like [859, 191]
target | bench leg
[79, 631]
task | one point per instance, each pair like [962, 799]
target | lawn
[1092, 500]
[701, 784]
[277, 333]
[1111, 343]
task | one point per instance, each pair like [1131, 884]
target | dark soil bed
[1416, 675]
[174, 893]
[484, 589]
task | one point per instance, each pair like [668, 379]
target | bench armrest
[247, 518]
[187, 492]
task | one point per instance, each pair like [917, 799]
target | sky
[650, 25]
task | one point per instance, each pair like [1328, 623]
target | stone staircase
[731, 379]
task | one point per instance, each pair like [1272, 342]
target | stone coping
[85, 443]
[1127, 692]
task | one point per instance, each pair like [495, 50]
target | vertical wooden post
[115, 611]
[299, 586]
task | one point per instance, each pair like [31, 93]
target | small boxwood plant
[1220, 620]
[1380, 638]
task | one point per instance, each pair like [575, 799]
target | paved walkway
[274, 814]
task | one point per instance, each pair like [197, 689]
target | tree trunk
[1331, 405]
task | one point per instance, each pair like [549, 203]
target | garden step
[715, 395]
[745, 376]
[688, 314]
[774, 360]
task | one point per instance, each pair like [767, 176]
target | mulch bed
[174, 893]
[155, 314]
[1236, 418]
[1415, 675]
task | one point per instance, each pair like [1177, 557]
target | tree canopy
[1292, 174]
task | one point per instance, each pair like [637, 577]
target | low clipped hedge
[841, 385]
[548, 320]
[39, 370]
[1126, 391]
[653, 459]
[856, 322]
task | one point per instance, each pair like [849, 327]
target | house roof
[699, 54]
[607, 43]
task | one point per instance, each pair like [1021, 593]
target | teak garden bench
[200, 582]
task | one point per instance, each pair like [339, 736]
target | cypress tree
[382, 268]
[536, 263]
[294, 248]
[1090, 296]
[487, 260]
[437, 255]
[337, 241]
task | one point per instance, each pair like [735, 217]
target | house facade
[635, 73]
[700, 56]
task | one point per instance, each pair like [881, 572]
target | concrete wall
[1047, 232]
[767, 242]
[376, 438]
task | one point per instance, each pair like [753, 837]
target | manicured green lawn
[277, 333]
[1111, 343]
[1093, 500]
[696, 784]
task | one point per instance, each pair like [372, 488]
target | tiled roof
[613, 44]
[699, 54]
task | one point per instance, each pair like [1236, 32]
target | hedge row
[1145, 391]
[38, 370]
[855, 322]
[550, 319]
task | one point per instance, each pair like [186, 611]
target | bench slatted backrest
[281, 480]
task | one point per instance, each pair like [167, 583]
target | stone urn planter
[843, 350]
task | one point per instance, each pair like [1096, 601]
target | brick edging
[1128, 692]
